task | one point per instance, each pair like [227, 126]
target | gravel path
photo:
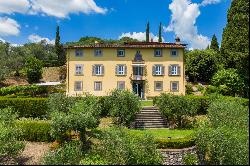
[33, 153]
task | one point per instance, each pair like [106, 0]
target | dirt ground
[33, 153]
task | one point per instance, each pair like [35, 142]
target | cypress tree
[235, 42]
[160, 38]
[59, 49]
[147, 32]
[214, 43]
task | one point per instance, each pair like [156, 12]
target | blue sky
[195, 21]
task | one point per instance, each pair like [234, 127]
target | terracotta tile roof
[130, 45]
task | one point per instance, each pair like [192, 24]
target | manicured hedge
[26, 107]
[177, 143]
[31, 90]
[34, 130]
[204, 101]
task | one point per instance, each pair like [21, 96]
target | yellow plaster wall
[109, 81]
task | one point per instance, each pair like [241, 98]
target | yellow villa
[146, 68]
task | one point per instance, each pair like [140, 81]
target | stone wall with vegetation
[175, 156]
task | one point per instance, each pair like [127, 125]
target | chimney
[152, 40]
[177, 40]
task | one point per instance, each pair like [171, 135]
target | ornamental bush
[224, 138]
[9, 146]
[34, 130]
[176, 108]
[118, 147]
[84, 114]
[67, 154]
[123, 106]
[177, 143]
[26, 107]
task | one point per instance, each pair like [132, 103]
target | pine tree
[147, 32]
[214, 43]
[160, 37]
[59, 48]
[235, 42]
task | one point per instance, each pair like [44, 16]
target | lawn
[157, 133]
[147, 103]
[163, 133]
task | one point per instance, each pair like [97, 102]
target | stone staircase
[149, 117]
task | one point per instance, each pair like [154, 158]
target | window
[121, 70]
[158, 53]
[158, 85]
[79, 70]
[174, 52]
[78, 85]
[121, 53]
[98, 52]
[174, 70]
[138, 70]
[97, 85]
[158, 70]
[174, 86]
[121, 85]
[98, 70]
[78, 53]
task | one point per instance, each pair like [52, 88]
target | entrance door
[138, 88]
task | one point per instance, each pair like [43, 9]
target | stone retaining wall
[175, 156]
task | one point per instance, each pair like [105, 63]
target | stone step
[149, 108]
[149, 115]
[141, 127]
[149, 118]
[150, 111]
[149, 123]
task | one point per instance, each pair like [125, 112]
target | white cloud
[208, 2]
[2, 40]
[14, 6]
[8, 27]
[183, 19]
[36, 39]
[141, 36]
[56, 8]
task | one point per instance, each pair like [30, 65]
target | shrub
[60, 102]
[93, 159]
[34, 130]
[30, 90]
[231, 80]
[26, 107]
[225, 134]
[68, 154]
[200, 87]
[33, 69]
[175, 108]
[190, 159]
[117, 147]
[177, 143]
[9, 146]
[105, 105]
[189, 89]
[84, 114]
[124, 106]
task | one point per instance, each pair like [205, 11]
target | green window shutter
[102, 70]
[153, 70]
[169, 70]
[116, 70]
[125, 68]
[93, 70]
[178, 70]
[163, 70]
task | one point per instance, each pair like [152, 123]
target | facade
[146, 68]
